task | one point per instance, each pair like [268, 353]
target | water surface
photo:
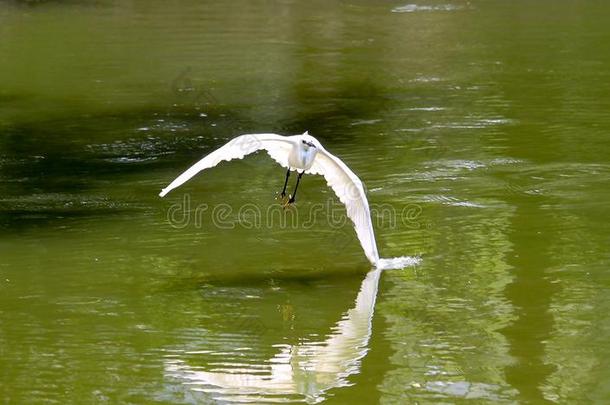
[479, 128]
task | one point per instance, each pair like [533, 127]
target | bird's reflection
[305, 370]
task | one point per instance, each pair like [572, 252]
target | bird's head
[309, 141]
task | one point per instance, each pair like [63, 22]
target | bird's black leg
[283, 193]
[294, 193]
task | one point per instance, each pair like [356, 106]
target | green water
[481, 130]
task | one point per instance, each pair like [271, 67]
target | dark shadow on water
[69, 155]
[192, 280]
[18, 220]
[531, 294]
[33, 3]
[328, 113]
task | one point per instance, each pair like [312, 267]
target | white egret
[304, 154]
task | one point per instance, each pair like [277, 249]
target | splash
[397, 262]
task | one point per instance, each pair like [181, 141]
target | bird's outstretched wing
[277, 146]
[350, 191]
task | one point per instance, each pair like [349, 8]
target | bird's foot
[284, 200]
[288, 203]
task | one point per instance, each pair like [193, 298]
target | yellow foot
[287, 202]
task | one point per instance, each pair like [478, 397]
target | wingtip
[163, 193]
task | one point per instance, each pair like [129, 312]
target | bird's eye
[304, 142]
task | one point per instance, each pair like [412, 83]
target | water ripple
[413, 8]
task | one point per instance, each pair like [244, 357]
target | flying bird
[305, 155]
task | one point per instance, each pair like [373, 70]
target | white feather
[348, 188]
[277, 147]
